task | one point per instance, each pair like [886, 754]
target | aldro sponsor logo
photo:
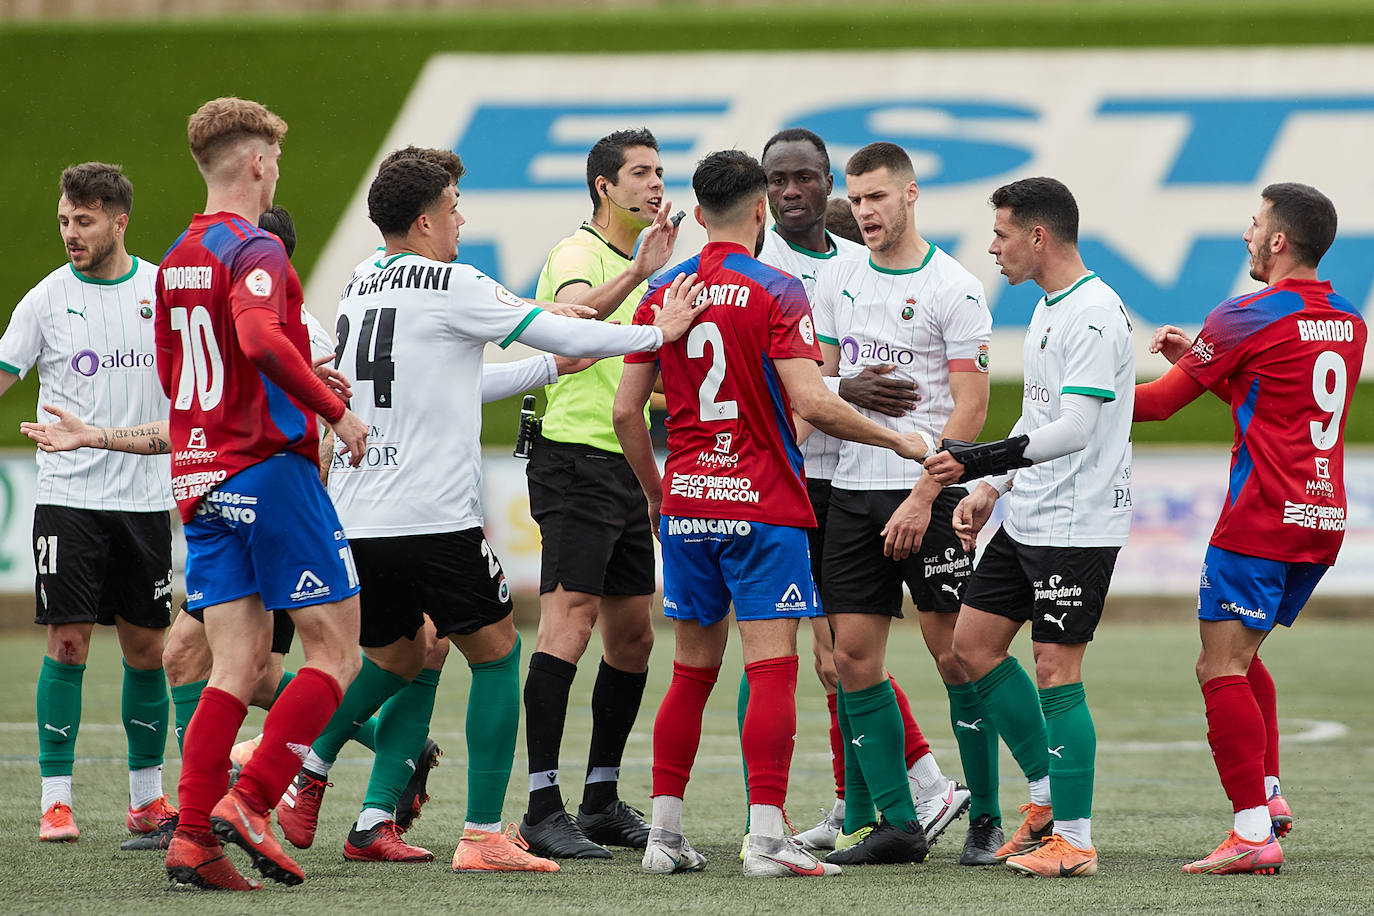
[1320, 518]
[709, 526]
[706, 486]
[858, 352]
[89, 362]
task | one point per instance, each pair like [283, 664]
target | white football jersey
[822, 452]
[411, 335]
[922, 320]
[1079, 342]
[92, 341]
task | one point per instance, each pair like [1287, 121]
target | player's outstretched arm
[627, 415]
[1167, 395]
[71, 432]
[818, 405]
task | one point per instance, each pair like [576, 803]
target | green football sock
[1013, 707]
[372, 687]
[977, 740]
[741, 707]
[879, 743]
[400, 726]
[143, 707]
[366, 735]
[185, 699]
[58, 715]
[858, 804]
[286, 678]
[1073, 750]
[492, 722]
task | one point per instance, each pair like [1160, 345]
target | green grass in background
[1157, 802]
[123, 91]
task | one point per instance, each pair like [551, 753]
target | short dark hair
[1306, 216]
[839, 219]
[98, 183]
[402, 191]
[1041, 202]
[727, 178]
[794, 135]
[278, 221]
[607, 155]
[446, 159]
[881, 155]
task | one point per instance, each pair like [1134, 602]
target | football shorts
[1258, 592]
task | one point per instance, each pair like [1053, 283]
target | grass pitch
[1158, 800]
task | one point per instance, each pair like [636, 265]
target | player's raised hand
[335, 380]
[1171, 342]
[972, 513]
[352, 432]
[656, 244]
[906, 528]
[873, 390]
[944, 467]
[680, 306]
[69, 432]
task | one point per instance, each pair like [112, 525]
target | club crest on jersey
[145, 308]
[982, 359]
[506, 297]
[1046, 339]
[259, 283]
[808, 333]
[909, 312]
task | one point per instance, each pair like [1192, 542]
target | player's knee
[436, 654]
[949, 666]
[68, 645]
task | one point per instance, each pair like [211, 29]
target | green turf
[1158, 801]
[97, 90]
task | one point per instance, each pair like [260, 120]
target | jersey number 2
[202, 367]
[708, 407]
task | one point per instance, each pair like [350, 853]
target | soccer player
[597, 558]
[412, 326]
[800, 243]
[87, 327]
[1286, 359]
[261, 533]
[909, 304]
[732, 520]
[1068, 514]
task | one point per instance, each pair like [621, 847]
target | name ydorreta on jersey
[399, 276]
[187, 277]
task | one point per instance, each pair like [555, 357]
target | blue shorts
[709, 562]
[1257, 592]
[269, 530]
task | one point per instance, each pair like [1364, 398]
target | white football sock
[765, 820]
[1271, 786]
[1040, 791]
[315, 764]
[371, 817]
[1078, 831]
[1253, 824]
[57, 789]
[927, 781]
[668, 813]
[145, 786]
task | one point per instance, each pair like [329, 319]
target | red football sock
[677, 727]
[1236, 733]
[295, 720]
[832, 701]
[916, 744]
[770, 728]
[205, 759]
[1267, 696]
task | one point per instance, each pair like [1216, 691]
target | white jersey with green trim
[411, 336]
[92, 341]
[925, 321]
[822, 452]
[1078, 342]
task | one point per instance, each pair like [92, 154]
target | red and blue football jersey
[732, 448]
[226, 415]
[1291, 354]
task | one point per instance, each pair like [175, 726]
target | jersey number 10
[202, 367]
